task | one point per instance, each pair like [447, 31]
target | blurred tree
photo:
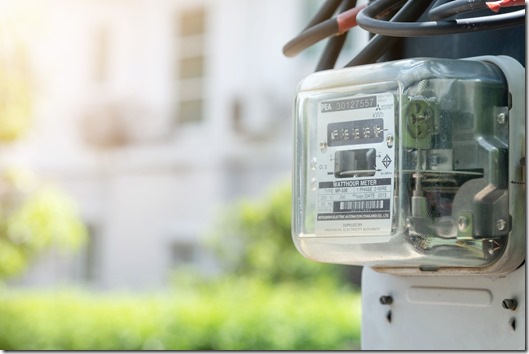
[33, 218]
[254, 239]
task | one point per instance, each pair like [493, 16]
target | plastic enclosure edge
[514, 253]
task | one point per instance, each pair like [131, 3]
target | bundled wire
[390, 20]
[457, 7]
[368, 21]
[329, 27]
[324, 13]
[378, 45]
[335, 43]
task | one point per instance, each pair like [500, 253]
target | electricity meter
[412, 166]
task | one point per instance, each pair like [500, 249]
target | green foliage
[254, 239]
[32, 219]
[231, 314]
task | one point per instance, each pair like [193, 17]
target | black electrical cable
[373, 50]
[366, 19]
[331, 52]
[390, 10]
[310, 36]
[439, 3]
[324, 13]
[334, 44]
[317, 23]
[339, 24]
[410, 11]
[456, 7]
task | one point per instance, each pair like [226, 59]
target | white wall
[169, 184]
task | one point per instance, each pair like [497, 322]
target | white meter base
[443, 312]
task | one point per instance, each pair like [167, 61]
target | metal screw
[494, 246]
[313, 163]
[462, 223]
[434, 160]
[390, 140]
[323, 146]
[313, 184]
[509, 304]
[501, 224]
[386, 300]
[502, 118]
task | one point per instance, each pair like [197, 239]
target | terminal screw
[502, 118]
[501, 224]
[509, 304]
[386, 300]
[390, 140]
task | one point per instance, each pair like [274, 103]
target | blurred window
[190, 63]
[192, 22]
[101, 52]
[183, 254]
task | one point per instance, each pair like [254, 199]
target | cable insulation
[347, 19]
[456, 7]
[378, 45]
[337, 25]
[366, 19]
[496, 5]
[324, 13]
[335, 43]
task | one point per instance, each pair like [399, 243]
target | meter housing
[412, 166]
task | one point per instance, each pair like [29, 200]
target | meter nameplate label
[355, 166]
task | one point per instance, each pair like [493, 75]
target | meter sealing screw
[390, 140]
[501, 224]
[502, 118]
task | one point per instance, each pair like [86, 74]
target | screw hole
[388, 316]
[512, 324]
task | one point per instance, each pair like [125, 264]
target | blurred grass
[229, 314]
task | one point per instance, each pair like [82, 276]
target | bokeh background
[145, 162]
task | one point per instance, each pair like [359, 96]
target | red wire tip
[496, 5]
[347, 20]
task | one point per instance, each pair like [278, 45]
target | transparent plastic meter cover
[403, 164]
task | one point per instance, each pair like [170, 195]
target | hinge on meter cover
[414, 166]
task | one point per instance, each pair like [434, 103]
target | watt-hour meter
[413, 165]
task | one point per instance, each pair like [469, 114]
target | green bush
[253, 238]
[33, 218]
[231, 314]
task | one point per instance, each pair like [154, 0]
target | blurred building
[154, 115]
